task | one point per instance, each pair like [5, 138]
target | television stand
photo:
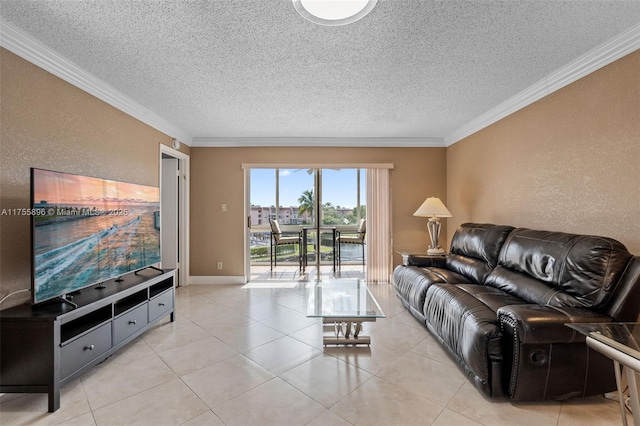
[149, 267]
[47, 345]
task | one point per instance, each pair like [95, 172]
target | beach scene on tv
[88, 230]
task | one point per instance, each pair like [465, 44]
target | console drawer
[85, 349]
[160, 304]
[130, 322]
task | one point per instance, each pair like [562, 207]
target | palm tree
[307, 202]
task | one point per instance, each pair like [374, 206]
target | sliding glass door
[299, 198]
[343, 206]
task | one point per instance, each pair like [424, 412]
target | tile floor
[247, 355]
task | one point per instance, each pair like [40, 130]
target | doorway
[313, 202]
[174, 212]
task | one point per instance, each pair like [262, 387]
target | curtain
[378, 247]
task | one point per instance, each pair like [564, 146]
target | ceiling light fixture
[334, 12]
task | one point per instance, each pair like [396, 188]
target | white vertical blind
[379, 254]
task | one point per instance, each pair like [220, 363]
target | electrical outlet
[223, 208]
[219, 265]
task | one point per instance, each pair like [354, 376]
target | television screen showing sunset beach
[87, 230]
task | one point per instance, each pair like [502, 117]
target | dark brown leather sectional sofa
[499, 302]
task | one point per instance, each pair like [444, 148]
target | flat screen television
[87, 230]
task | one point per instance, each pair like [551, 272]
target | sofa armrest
[544, 359]
[423, 260]
[546, 324]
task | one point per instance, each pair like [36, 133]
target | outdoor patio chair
[278, 238]
[352, 237]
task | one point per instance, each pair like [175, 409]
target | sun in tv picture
[87, 230]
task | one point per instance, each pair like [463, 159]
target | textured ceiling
[256, 69]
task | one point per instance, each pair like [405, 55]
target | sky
[60, 188]
[339, 186]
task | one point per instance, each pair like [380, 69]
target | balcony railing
[260, 247]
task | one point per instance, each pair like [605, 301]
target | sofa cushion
[475, 248]
[559, 269]
[411, 283]
[492, 297]
[468, 329]
[447, 276]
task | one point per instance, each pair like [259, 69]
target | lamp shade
[432, 207]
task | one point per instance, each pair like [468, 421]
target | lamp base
[435, 252]
[433, 226]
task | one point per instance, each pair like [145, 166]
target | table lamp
[434, 209]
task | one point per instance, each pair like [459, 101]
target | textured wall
[50, 124]
[217, 177]
[569, 162]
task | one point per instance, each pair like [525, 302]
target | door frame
[183, 209]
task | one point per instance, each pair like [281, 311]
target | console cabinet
[43, 346]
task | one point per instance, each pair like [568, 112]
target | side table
[421, 259]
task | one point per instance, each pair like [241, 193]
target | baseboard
[205, 280]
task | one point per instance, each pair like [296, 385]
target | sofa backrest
[475, 248]
[560, 269]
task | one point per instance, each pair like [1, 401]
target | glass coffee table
[346, 304]
[621, 343]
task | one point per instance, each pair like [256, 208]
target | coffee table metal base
[632, 366]
[346, 331]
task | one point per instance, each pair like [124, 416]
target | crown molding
[327, 142]
[37, 53]
[44, 57]
[616, 48]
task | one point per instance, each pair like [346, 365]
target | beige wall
[50, 124]
[217, 177]
[569, 162]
